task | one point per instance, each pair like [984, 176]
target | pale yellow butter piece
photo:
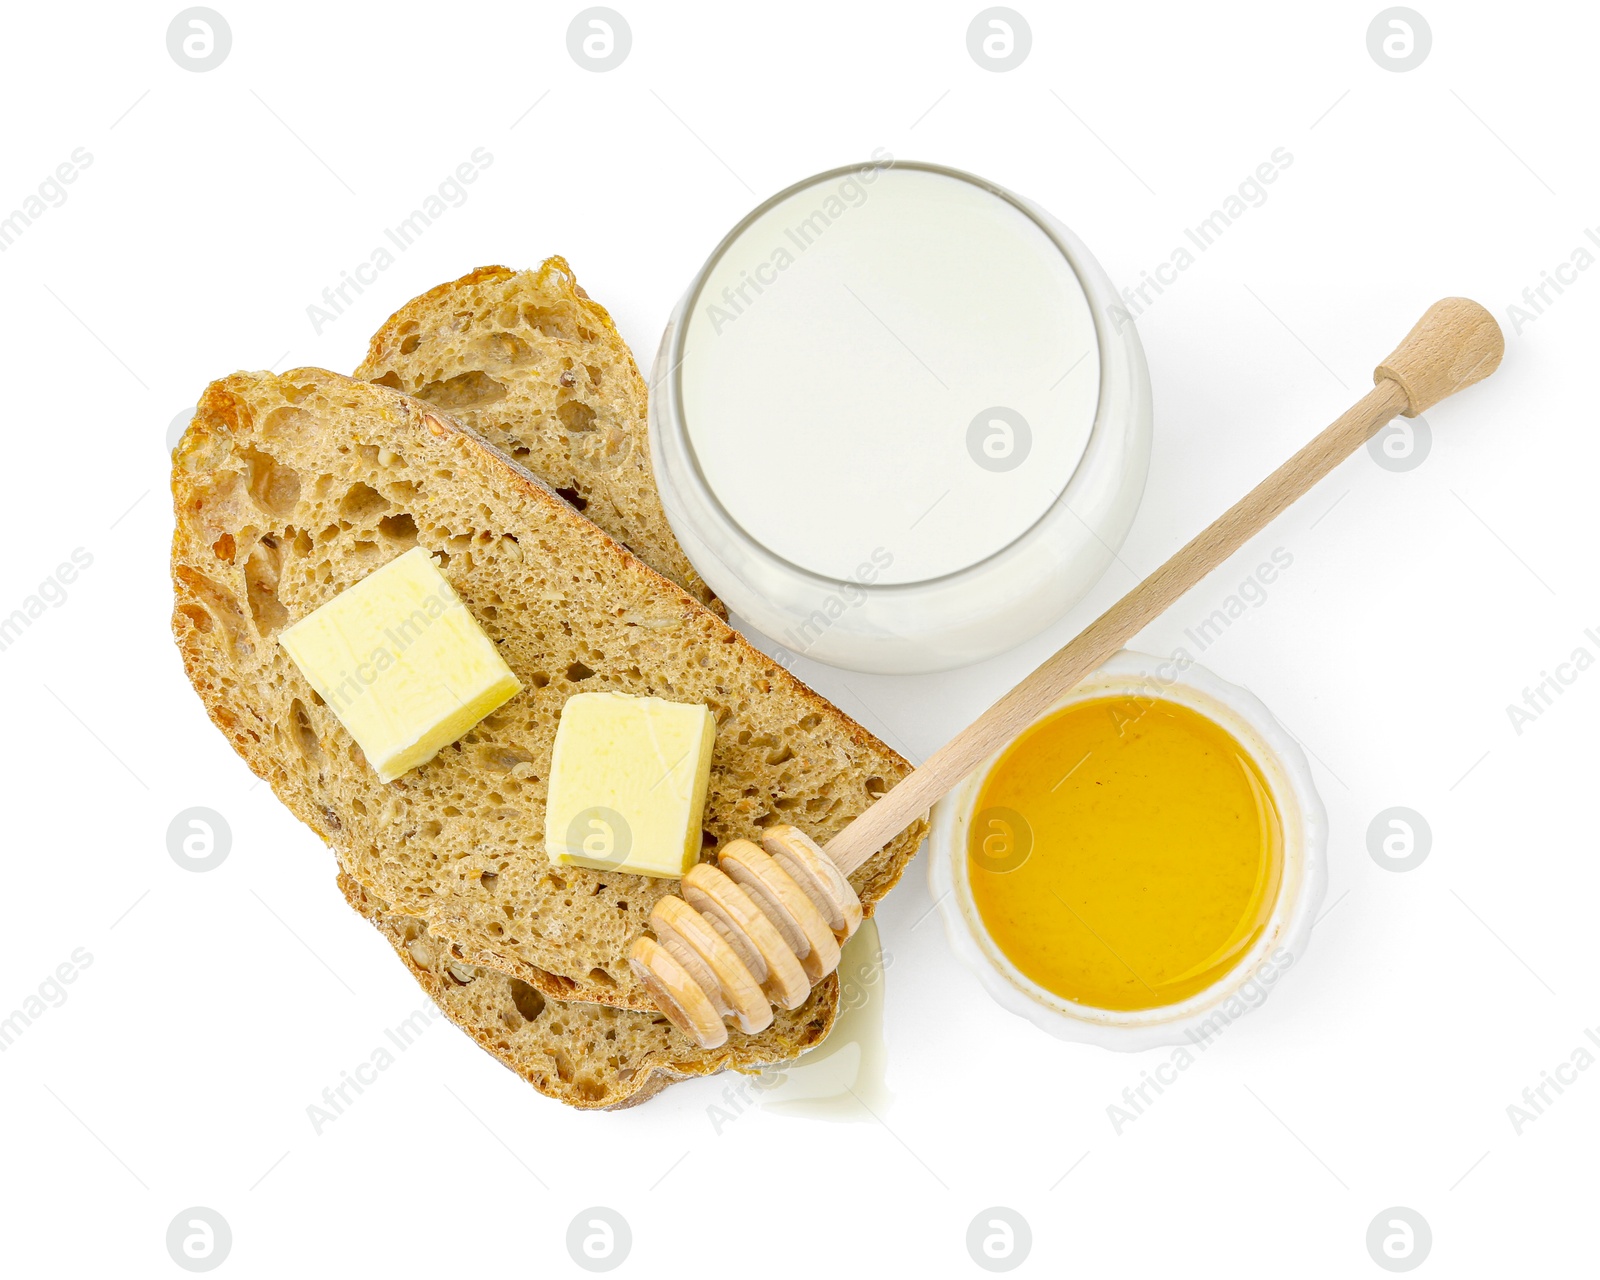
[628, 784]
[402, 663]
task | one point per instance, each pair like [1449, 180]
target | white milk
[839, 351]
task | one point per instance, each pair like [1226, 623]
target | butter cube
[402, 663]
[628, 784]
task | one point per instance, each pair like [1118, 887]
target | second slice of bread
[534, 365]
[290, 488]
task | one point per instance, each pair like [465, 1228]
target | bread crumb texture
[288, 489]
[589, 1056]
[528, 361]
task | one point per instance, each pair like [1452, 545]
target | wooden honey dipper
[764, 924]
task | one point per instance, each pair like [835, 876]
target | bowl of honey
[1141, 865]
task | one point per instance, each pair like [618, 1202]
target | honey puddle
[843, 1078]
[1125, 852]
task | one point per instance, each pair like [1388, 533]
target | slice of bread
[528, 361]
[589, 1056]
[289, 488]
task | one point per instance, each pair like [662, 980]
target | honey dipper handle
[1455, 344]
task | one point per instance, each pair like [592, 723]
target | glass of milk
[898, 421]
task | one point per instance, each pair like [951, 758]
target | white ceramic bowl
[1203, 1016]
[939, 622]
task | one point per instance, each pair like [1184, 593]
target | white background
[217, 1006]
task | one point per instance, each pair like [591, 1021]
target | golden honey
[1125, 852]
